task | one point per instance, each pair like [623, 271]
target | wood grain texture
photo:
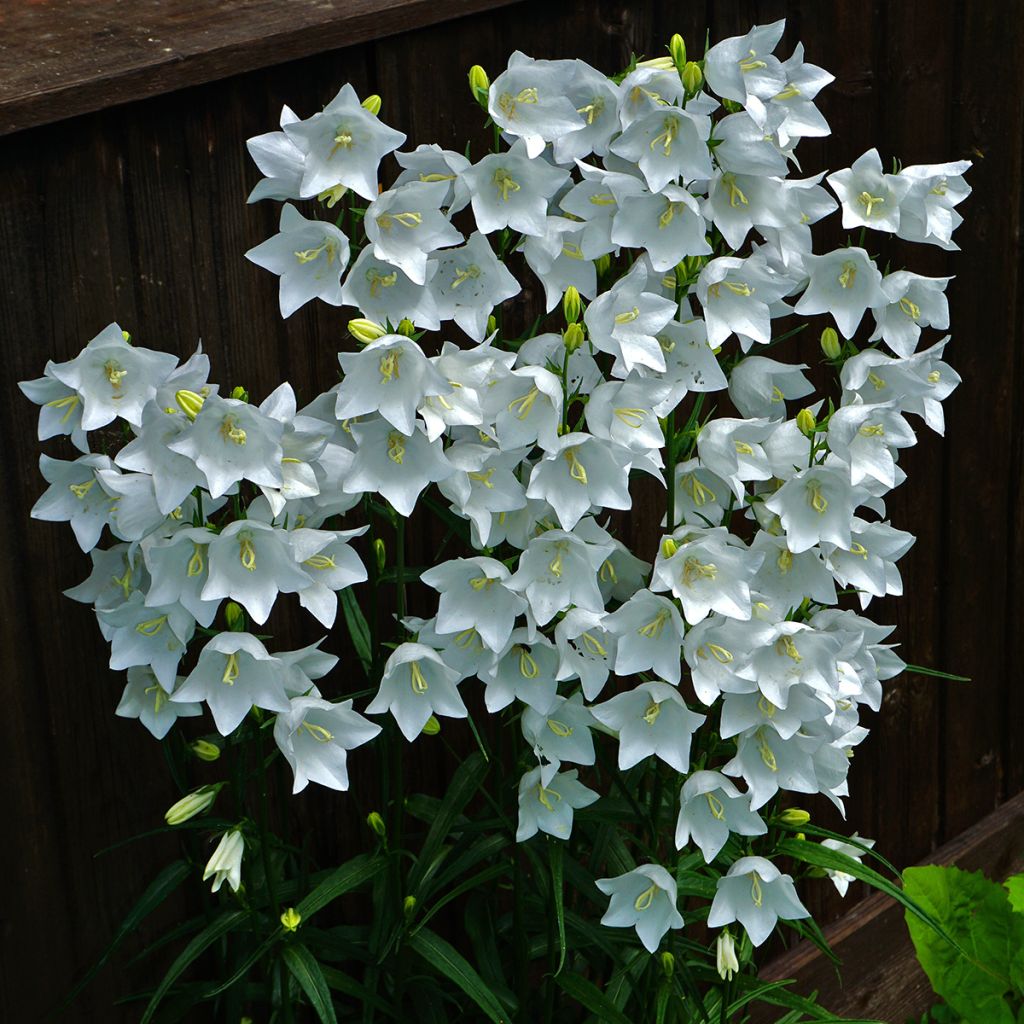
[60, 58]
[137, 213]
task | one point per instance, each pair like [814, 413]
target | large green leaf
[306, 971]
[975, 977]
[340, 881]
[358, 628]
[1015, 891]
[447, 960]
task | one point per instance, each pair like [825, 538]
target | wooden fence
[136, 212]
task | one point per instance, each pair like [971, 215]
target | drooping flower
[547, 800]
[757, 895]
[644, 898]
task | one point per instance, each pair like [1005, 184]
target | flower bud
[602, 263]
[365, 331]
[409, 905]
[668, 547]
[433, 726]
[191, 805]
[830, 343]
[376, 822]
[234, 616]
[668, 964]
[806, 422]
[794, 816]
[205, 750]
[573, 337]
[291, 919]
[725, 956]
[380, 554]
[800, 836]
[677, 48]
[693, 78]
[332, 196]
[659, 63]
[571, 305]
[406, 328]
[479, 84]
[372, 104]
[189, 403]
[492, 324]
[127, 337]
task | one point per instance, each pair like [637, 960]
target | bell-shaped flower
[475, 594]
[525, 406]
[417, 684]
[757, 895]
[738, 296]
[853, 849]
[526, 671]
[717, 650]
[134, 513]
[309, 256]
[146, 699]
[733, 450]
[651, 719]
[866, 437]
[793, 653]
[114, 379]
[431, 163]
[75, 496]
[649, 631]
[743, 66]
[927, 213]
[843, 283]
[644, 898]
[667, 144]
[406, 223]
[562, 733]
[595, 98]
[870, 198]
[331, 564]
[736, 203]
[558, 570]
[623, 412]
[343, 145]
[397, 466]
[303, 667]
[180, 568]
[667, 224]
[690, 364]
[557, 260]
[803, 83]
[699, 495]
[783, 579]
[768, 763]
[547, 799]
[234, 673]
[252, 562]
[869, 564]
[621, 574]
[60, 408]
[315, 736]
[710, 808]
[625, 321]
[810, 203]
[586, 650]
[580, 471]
[391, 376]
[226, 863]
[116, 573]
[384, 293]
[280, 160]
[914, 302]
[743, 712]
[760, 387]
[594, 203]
[510, 190]
[483, 487]
[470, 281]
[707, 570]
[747, 145]
[645, 90]
[816, 505]
[141, 634]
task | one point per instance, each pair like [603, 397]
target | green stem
[670, 471]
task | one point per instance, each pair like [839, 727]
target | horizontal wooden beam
[61, 58]
[880, 977]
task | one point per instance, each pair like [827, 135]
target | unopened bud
[668, 547]
[806, 422]
[205, 750]
[668, 964]
[677, 48]
[725, 956]
[693, 78]
[234, 616]
[332, 196]
[365, 331]
[492, 324]
[409, 905]
[406, 327]
[571, 305]
[291, 919]
[658, 63]
[573, 337]
[189, 403]
[127, 337]
[376, 822]
[800, 836]
[239, 394]
[191, 805]
[380, 554]
[830, 343]
[794, 816]
[602, 263]
[479, 84]
[372, 104]
[433, 726]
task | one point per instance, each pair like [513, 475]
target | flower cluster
[657, 212]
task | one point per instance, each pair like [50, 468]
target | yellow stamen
[910, 308]
[652, 630]
[651, 712]
[849, 274]
[521, 406]
[593, 645]
[560, 729]
[396, 448]
[876, 382]
[507, 102]
[528, 668]
[465, 639]
[230, 669]
[694, 570]
[859, 550]
[115, 373]
[152, 626]
[632, 417]
[544, 795]
[81, 490]
[716, 806]
[592, 111]
[786, 646]
[755, 889]
[607, 573]
[305, 256]
[603, 199]
[628, 317]
[484, 478]
[378, 280]
[670, 129]
[195, 563]
[869, 202]
[785, 561]
[69, 403]
[481, 582]
[576, 468]
[160, 699]
[736, 196]
[766, 752]
[471, 273]
[751, 63]
[407, 220]
[700, 494]
[505, 183]
[742, 289]
[230, 431]
[320, 562]
[766, 707]
[872, 430]
[572, 250]
[789, 93]
[417, 682]
[389, 367]
[318, 732]
[646, 898]
[247, 553]
[817, 500]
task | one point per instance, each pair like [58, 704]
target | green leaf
[555, 851]
[974, 977]
[221, 926]
[159, 889]
[358, 628]
[341, 880]
[347, 984]
[306, 971]
[1015, 891]
[922, 670]
[587, 994]
[447, 960]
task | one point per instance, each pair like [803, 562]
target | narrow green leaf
[358, 628]
[555, 851]
[346, 983]
[306, 971]
[349, 876]
[221, 926]
[468, 885]
[922, 670]
[447, 960]
[587, 994]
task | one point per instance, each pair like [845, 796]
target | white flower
[547, 799]
[330, 564]
[928, 212]
[747, 145]
[386, 294]
[914, 302]
[315, 735]
[743, 66]
[761, 387]
[60, 408]
[796, 98]
[866, 438]
[699, 495]
[644, 898]
[869, 565]
[667, 224]
[143, 635]
[649, 630]
[75, 496]
[525, 670]
[558, 261]
[483, 487]
[816, 505]
[595, 98]
[226, 863]
[842, 879]
[623, 412]
[844, 283]
[651, 719]
[732, 450]
[180, 568]
[690, 364]
[785, 579]
[526, 407]
[417, 684]
[431, 163]
[116, 573]
[739, 297]
[562, 733]
[308, 255]
[280, 160]
[235, 672]
[710, 809]
[667, 144]
[870, 197]
[585, 649]
[757, 894]
[146, 699]
[793, 653]
[343, 145]
[717, 650]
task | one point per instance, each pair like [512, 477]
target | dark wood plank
[63, 58]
